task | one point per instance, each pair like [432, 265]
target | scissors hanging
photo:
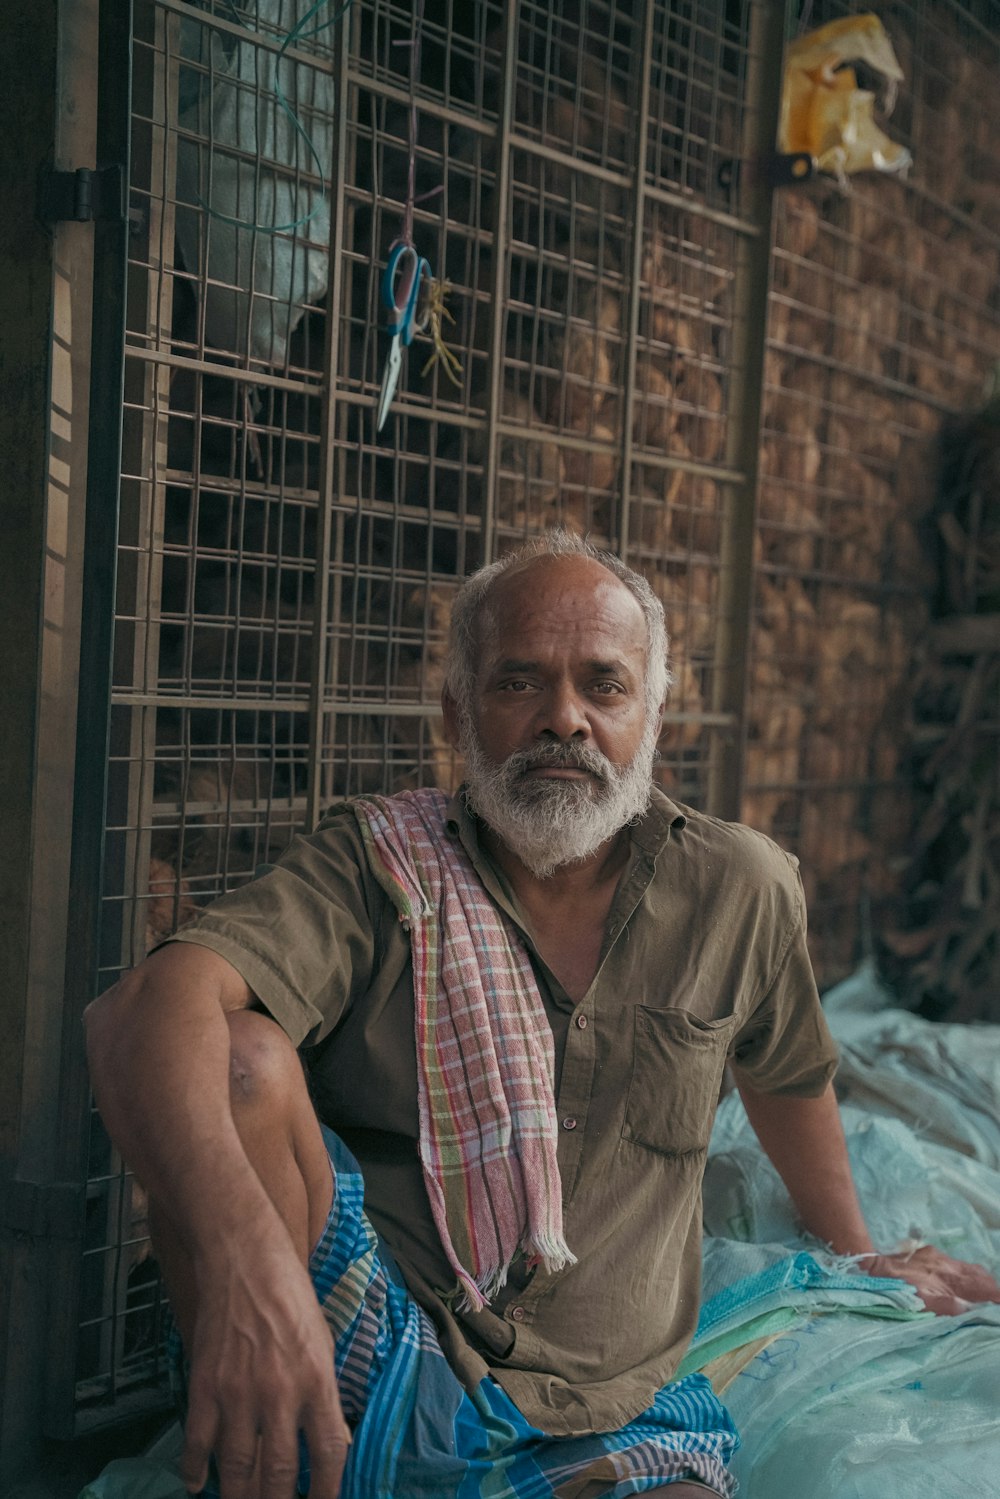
[410, 295]
[406, 285]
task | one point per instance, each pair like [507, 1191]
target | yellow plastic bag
[824, 113]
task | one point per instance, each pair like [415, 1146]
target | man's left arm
[804, 1140]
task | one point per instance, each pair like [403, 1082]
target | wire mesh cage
[285, 571]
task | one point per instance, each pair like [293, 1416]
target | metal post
[745, 396]
[494, 414]
[96, 647]
[321, 720]
[639, 223]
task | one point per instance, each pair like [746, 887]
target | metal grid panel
[285, 575]
[576, 77]
[884, 316]
[700, 55]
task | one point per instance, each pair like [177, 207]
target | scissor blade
[390, 379]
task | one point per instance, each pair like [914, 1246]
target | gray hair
[471, 611]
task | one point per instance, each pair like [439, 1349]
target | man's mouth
[569, 772]
[561, 772]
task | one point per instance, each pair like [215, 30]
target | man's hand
[804, 1139]
[944, 1285]
[262, 1370]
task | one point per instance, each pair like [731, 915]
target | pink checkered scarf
[485, 1062]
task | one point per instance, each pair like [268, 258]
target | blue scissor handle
[402, 304]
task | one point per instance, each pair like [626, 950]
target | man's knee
[264, 1067]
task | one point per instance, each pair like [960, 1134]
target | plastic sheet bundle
[253, 220]
[840, 1406]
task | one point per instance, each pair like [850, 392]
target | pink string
[406, 237]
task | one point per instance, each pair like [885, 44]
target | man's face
[558, 741]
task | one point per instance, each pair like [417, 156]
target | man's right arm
[260, 1351]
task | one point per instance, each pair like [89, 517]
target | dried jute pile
[942, 951]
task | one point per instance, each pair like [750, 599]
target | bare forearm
[804, 1140]
[158, 1046]
[262, 1367]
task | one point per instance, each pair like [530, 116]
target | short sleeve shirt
[704, 961]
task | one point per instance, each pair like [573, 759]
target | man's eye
[607, 688]
[518, 684]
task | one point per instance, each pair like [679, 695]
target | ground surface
[64, 1468]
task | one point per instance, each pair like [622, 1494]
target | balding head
[474, 612]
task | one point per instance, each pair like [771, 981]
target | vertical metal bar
[639, 227]
[498, 287]
[140, 560]
[91, 778]
[745, 397]
[328, 448]
[45, 292]
[147, 460]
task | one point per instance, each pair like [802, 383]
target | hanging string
[405, 237]
[437, 291]
[436, 312]
[297, 33]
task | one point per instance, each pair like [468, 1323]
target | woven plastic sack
[845, 1408]
[254, 151]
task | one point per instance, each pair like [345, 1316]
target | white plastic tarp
[840, 1406]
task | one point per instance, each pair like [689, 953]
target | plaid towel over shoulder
[485, 1058]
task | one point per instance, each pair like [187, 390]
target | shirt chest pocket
[677, 1065]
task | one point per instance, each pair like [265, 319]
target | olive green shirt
[704, 960]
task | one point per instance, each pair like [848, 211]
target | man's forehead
[586, 611]
[546, 587]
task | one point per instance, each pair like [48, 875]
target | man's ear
[449, 708]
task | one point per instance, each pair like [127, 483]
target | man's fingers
[938, 1298]
[974, 1282]
[262, 1369]
[236, 1461]
[945, 1286]
[279, 1463]
[200, 1429]
[328, 1443]
[966, 1281]
[266, 1467]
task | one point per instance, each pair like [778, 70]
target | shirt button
[581, 1022]
[517, 1313]
[569, 1123]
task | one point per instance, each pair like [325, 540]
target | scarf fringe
[475, 1295]
[475, 999]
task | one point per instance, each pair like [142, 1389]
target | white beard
[549, 823]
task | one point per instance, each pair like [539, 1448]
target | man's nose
[563, 715]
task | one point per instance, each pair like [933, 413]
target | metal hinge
[43, 1210]
[84, 195]
[780, 169]
[788, 168]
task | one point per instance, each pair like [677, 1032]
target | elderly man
[516, 1010]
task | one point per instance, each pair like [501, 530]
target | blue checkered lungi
[419, 1435]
